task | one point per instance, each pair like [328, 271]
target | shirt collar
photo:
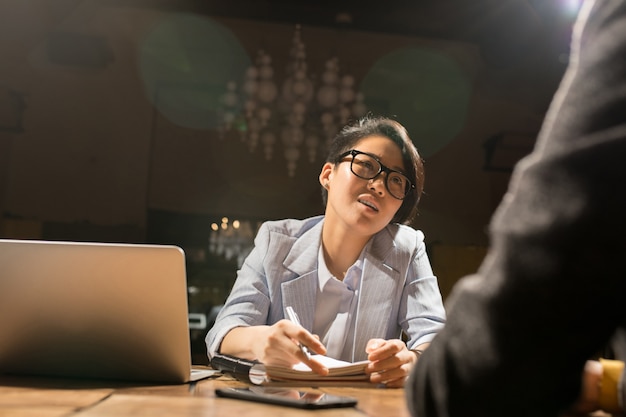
[355, 270]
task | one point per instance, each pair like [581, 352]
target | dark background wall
[109, 109]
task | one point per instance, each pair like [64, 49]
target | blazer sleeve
[257, 294]
[422, 314]
[549, 295]
[249, 300]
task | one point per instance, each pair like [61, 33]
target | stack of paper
[339, 372]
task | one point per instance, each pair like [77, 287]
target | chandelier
[232, 240]
[302, 116]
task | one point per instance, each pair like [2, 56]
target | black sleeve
[551, 291]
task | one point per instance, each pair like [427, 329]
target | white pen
[292, 316]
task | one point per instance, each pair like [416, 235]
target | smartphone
[287, 397]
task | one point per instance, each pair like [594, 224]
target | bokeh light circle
[423, 89]
[185, 63]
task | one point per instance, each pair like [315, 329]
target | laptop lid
[94, 310]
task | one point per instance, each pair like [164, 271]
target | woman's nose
[377, 184]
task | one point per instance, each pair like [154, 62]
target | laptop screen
[94, 310]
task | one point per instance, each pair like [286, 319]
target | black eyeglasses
[368, 167]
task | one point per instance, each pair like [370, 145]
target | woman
[355, 277]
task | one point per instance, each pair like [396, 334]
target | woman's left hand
[391, 362]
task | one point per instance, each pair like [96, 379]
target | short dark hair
[382, 126]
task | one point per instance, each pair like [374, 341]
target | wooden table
[22, 397]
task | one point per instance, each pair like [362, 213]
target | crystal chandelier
[232, 240]
[301, 115]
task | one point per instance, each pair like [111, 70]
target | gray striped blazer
[398, 290]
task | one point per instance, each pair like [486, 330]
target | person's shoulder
[405, 236]
[292, 227]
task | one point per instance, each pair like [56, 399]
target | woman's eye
[367, 165]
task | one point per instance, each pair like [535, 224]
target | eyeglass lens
[367, 167]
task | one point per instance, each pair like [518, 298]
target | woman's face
[362, 206]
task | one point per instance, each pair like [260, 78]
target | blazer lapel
[302, 261]
[381, 277]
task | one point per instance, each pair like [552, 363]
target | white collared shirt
[336, 307]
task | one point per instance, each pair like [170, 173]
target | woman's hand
[589, 399]
[275, 345]
[391, 361]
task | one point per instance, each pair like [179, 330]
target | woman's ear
[326, 174]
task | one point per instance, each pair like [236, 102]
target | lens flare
[185, 63]
[425, 89]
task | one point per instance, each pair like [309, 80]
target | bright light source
[571, 6]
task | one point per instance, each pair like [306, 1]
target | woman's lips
[368, 204]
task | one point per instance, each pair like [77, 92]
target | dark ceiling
[505, 29]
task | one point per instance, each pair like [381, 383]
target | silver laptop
[95, 310]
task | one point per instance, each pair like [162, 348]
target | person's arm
[391, 361]
[274, 345]
[550, 292]
[250, 325]
[248, 303]
[421, 315]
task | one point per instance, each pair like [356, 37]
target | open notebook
[95, 310]
[340, 372]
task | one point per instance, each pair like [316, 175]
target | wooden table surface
[26, 397]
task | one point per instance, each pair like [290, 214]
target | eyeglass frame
[383, 168]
